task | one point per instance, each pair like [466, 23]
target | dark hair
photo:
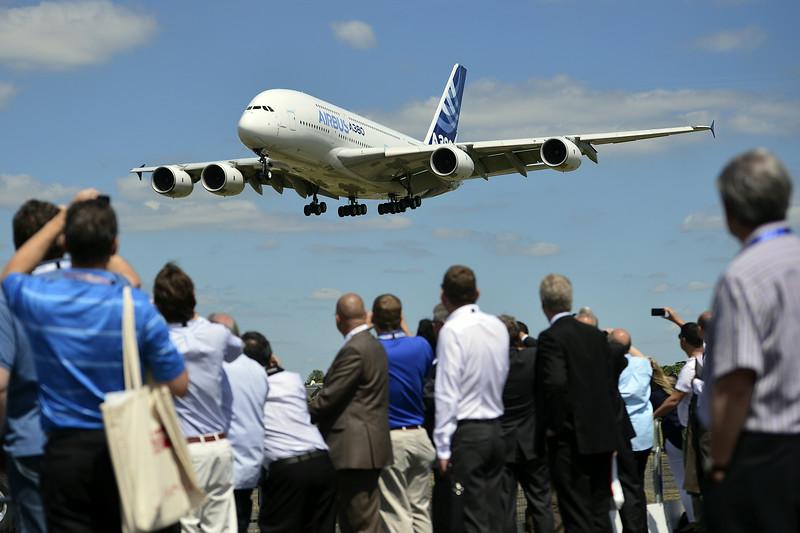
[173, 294]
[523, 327]
[90, 231]
[387, 312]
[690, 332]
[257, 348]
[426, 331]
[29, 219]
[459, 285]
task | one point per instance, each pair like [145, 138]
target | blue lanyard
[391, 336]
[768, 236]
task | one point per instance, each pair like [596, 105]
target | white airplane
[319, 149]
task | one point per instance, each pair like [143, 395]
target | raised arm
[120, 266]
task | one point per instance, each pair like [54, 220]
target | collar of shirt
[463, 310]
[89, 275]
[396, 334]
[761, 232]
[355, 331]
[559, 315]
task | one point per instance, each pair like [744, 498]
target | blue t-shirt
[73, 319]
[410, 360]
[23, 435]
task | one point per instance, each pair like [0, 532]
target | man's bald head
[350, 312]
[226, 320]
[702, 321]
[620, 336]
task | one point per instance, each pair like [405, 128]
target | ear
[477, 294]
[115, 246]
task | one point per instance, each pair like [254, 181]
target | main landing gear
[394, 205]
[353, 209]
[315, 207]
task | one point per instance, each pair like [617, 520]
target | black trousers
[244, 508]
[761, 490]
[359, 500]
[299, 497]
[534, 478]
[79, 489]
[633, 514]
[582, 485]
[475, 476]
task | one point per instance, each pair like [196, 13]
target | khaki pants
[213, 464]
[405, 485]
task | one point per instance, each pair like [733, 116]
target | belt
[300, 458]
[407, 428]
[206, 438]
[467, 421]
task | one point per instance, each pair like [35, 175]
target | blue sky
[90, 89]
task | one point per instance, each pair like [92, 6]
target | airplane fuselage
[305, 132]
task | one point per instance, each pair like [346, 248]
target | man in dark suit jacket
[352, 411]
[576, 417]
[522, 465]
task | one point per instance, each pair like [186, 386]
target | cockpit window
[268, 107]
[249, 108]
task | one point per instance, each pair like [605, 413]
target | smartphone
[658, 311]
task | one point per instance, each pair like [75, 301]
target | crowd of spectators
[433, 431]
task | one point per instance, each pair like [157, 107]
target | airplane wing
[250, 167]
[491, 158]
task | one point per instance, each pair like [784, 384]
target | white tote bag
[157, 484]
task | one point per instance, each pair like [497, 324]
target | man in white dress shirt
[204, 347]
[472, 352]
[244, 398]
[298, 490]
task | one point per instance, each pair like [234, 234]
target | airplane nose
[248, 131]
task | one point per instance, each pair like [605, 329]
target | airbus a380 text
[319, 149]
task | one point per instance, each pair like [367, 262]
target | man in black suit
[523, 466]
[576, 418]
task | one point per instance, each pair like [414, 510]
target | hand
[717, 475]
[86, 194]
[444, 464]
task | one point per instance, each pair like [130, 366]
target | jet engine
[171, 181]
[560, 154]
[451, 163]
[222, 179]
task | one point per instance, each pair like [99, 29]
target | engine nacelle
[222, 179]
[171, 181]
[451, 163]
[560, 154]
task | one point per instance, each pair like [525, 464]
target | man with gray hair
[576, 421]
[752, 394]
[587, 316]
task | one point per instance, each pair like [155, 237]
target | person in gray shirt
[752, 391]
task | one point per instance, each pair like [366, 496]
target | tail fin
[444, 126]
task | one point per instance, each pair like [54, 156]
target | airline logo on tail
[444, 126]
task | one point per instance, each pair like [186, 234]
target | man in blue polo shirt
[405, 485]
[73, 319]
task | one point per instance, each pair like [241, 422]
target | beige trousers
[406, 485]
[213, 464]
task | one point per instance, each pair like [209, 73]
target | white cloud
[731, 40]
[62, 35]
[698, 286]
[562, 105]
[355, 33]
[7, 90]
[661, 287]
[16, 189]
[501, 243]
[709, 221]
[692, 286]
[326, 293]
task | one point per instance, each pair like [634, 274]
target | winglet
[139, 173]
[711, 127]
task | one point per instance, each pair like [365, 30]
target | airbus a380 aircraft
[319, 149]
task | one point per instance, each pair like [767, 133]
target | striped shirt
[73, 319]
[756, 326]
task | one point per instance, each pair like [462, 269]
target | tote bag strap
[130, 346]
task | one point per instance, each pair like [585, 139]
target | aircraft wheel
[323, 207]
[380, 209]
[418, 201]
[341, 211]
[307, 210]
[363, 209]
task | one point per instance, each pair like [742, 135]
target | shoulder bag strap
[130, 346]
